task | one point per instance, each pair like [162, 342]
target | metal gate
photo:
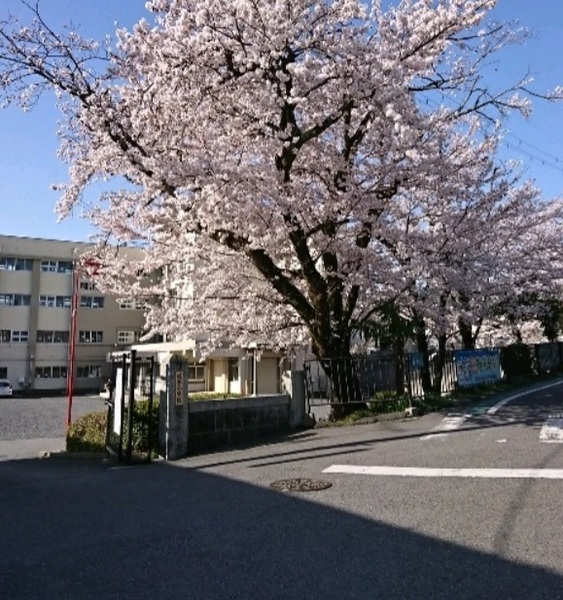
[132, 422]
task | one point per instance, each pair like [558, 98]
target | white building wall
[267, 376]
[27, 362]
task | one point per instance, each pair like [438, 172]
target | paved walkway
[22, 449]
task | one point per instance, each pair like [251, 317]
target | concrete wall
[222, 422]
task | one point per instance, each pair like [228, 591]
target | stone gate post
[174, 413]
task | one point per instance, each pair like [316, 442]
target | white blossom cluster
[291, 166]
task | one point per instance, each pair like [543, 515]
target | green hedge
[88, 432]
[203, 396]
[142, 420]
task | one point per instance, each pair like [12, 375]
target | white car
[5, 388]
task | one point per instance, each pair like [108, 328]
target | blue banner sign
[477, 366]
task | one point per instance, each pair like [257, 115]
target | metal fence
[442, 378]
[132, 422]
[351, 379]
[360, 379]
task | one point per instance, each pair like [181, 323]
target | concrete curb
[381, 417]
[74, 455]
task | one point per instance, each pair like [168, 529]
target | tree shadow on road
[84, 529]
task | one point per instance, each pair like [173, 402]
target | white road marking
[494, 409]
[437, 472]
[552, 430]
[449, 423]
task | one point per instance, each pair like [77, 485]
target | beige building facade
[38, 281]
[230, 370]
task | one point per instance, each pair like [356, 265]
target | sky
[28, 141]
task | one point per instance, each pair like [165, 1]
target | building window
[59, 372]
[24, 264]
[88, 372]
[3, 372]
[64, 266]
[125, 336]
[22, 299]
[128, 304]
[57, 266]
[91, 337]
[8, 263]
[196, 372]
[63, 301]
[49, 266]
[47, 301]
[91, 302]
[7, 336]
[87, 285]
[15, 299]
[43, 372]
[55, 301]
[50, 372]
[45, 337]
[132, 304]
[52, 337]
[61, 337]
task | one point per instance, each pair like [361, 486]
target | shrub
[389, 404]
[143, 420]
[203, 396]
[87, 433]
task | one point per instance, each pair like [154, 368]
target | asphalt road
[211, 527]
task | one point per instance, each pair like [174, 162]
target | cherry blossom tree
[289, 166]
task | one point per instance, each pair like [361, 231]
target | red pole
[72, 346]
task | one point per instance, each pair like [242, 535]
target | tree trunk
[344, 375]
[399, 356]
[440, 362]
[422, 346]
[466, 333]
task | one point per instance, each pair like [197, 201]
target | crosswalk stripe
[438, 472]
[552, 430]
[448, 423]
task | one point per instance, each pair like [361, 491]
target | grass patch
[203, 396]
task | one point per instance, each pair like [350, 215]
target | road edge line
[494, 409]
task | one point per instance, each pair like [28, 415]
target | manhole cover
[300, 485]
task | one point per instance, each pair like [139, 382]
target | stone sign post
[174, 411]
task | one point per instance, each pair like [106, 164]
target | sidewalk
[22, 449]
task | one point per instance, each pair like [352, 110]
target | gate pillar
[175, 415]
[293, 383]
